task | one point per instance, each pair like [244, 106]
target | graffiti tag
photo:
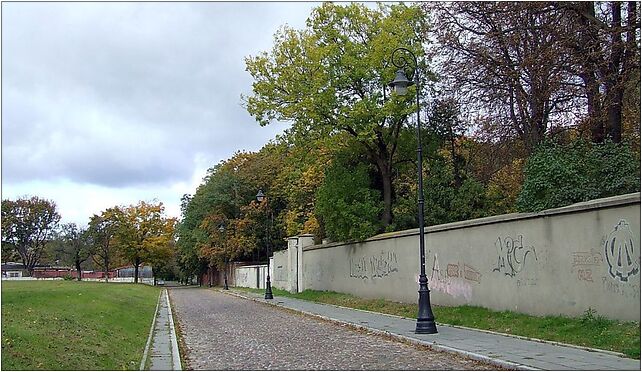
[374, 266]
[511, 255]
[453, 286]
[620, 254]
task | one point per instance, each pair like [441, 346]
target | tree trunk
[78, 270]
[386, 188]
[386, 217]
[136, 263]
[453, 154]
[106, 265]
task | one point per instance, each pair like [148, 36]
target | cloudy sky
[107, 104]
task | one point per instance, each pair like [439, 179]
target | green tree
[558, 175]
[76, 247]
[331, 77]
[346, 202]
[27, 225]
[102, 233]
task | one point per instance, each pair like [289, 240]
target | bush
[558, 175]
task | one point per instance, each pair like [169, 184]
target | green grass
[590, 330]
[67, 325]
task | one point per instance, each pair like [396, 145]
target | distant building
[128, 271]
[13, 270]
[18, 270]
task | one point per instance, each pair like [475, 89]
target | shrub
[557, 175]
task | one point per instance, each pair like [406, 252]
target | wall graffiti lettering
[458, 270]
[585, 275]
[374, 266]
[512, 255]
[620, 252]
[627, 290]
[584, 262]
[587, 259]
[451, 285]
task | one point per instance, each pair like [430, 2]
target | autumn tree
[143, 230]
[331, 77]
[27, 225]
[160, 255]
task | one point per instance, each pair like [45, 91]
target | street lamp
[268, 287]
[221, 228]
[425, 317]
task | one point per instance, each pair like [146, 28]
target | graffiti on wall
[584, 263]
[512, 256]
[378, 266]
[624, 289]
[620, 253]
[450, 281]
[459, 270]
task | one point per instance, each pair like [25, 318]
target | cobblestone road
[221, 332]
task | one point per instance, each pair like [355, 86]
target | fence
[558, 261]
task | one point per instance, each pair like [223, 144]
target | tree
[142, 230]
[102, 230]
[604, 45]
[331, 78]
[76, 247]
[27, 225]
[160, 255]
[346, 203]
[506, 62]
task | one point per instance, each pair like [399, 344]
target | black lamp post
[221, 228]
[425, 317]
[268, 287]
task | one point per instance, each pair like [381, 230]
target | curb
[176, 356]
[151, 333]
[432, 345]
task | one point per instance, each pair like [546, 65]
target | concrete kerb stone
[431, 345]
[176, 357]
[151, 333]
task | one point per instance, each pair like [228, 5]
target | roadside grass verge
[590, 330]
[68, 325]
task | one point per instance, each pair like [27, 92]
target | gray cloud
[121, 94]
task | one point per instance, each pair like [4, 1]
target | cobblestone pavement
[221, 332]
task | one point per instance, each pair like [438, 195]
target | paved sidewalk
[164, 355]
[500, 350]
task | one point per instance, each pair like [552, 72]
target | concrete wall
[559, 261]
[249, 276]
[280, 270]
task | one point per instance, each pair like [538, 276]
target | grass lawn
[68, 325]
[590, 330]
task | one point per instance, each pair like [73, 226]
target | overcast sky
[107, 104]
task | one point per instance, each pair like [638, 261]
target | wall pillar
[293, 242]
[305, 240]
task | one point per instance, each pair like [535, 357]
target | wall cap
[610, 202]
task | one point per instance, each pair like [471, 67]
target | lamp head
[260, 196]
[401, 83]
